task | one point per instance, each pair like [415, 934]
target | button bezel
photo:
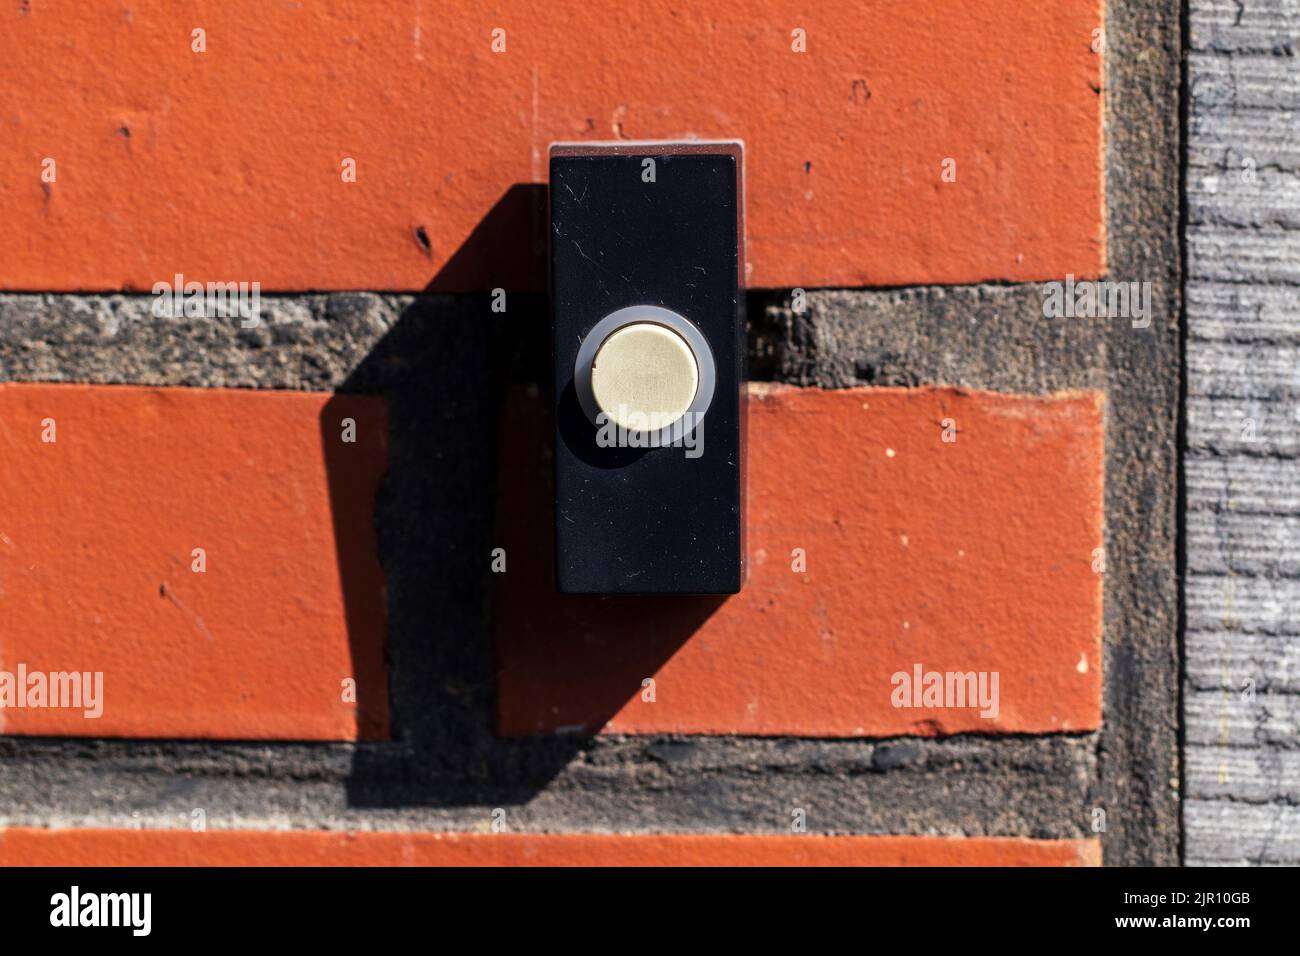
[693, 417]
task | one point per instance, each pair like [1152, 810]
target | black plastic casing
[649, 520]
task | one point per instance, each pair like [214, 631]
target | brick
[36, 847]
[97, 556]
[974, 555]
[226, 165]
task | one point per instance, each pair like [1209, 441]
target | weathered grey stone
[1242, 485]
[1230, 718]
[1254, 427]
[1227, 660]
[1223, 83]
[1246, 314]
[1228, 542]
[1238, 370]
[441, 362]
[1230, 832]
[1246, 26]
[1225, 254]
[1242, 474]
[1250, 151]
[1247, 774]
[1247, 605]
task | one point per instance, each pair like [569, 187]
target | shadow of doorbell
[648, 355]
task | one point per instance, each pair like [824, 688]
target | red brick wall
[949, 529]
[27, 847]
[846, 142]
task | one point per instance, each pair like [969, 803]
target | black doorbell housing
[648, 353]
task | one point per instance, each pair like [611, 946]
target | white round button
[644, 377]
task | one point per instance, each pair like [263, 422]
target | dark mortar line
[1138, 748]
[132, 749]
